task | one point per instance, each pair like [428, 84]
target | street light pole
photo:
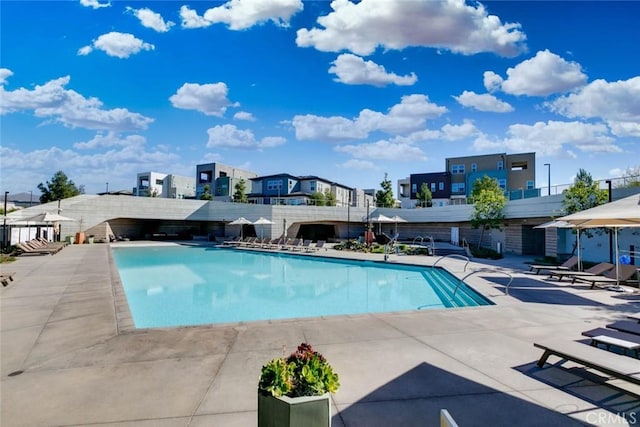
[107, 188]
[548, 178]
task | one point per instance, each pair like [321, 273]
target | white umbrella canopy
[262, 221]
[623, 213]
[396, 219]
[48, 217]
[241, 221]
[379, 219]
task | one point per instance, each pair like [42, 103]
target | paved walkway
[69, 358]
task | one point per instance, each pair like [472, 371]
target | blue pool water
[182, 285]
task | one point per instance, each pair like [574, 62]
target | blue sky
[343, 90]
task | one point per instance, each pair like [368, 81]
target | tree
[583, 194]
[630, 178]
[488, 205]
[318, 199]
[424, 195]
[206, 193]
[329, 198]
[384, 197]
[60, 187]
[240, 193]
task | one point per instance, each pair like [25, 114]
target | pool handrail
[464, 258]
[486, 270]
[431, 245]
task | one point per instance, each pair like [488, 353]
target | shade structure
[396, 219]
[48, 217]
[380, 219]
[623, 213]
[241, 221]
[262, 221]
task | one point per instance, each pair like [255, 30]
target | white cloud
[229, 136]
[544, 74]
[243, 14]
[355, 164]
[492, 81]
[453, 25]
[191, 19]
[408, 116]
[552, 137]
[120, 45]
[384, 150]
[243, 115]
[150, 19]
[118, 163]
[616, 102]
[70, 108]
[210, 99]
[457, 132]
[94, 4]
[5, 73]
[483, 102]
[354, 70]
[110, 139]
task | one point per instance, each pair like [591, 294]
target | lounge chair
[627, 326]
[233, 242]
[634, 316]
[295, 245]
[5, 278]
[612, 337]
[319, 245]
[43, 244]
[624, 275]
[592, 271]
[618, 366]
[306, 244]
[569, 264]
[24, 249]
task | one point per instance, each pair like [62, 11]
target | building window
[474, 167]
[312, 186]
[457, 187]
[414, 188]
[274, 185]
[223, 174]
[205, 177]
[500, 165]
[158, 182]
[433, 187]
[502, 183]
[457, 169]
[441, 186]
[530, 185]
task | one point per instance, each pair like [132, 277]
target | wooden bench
[615, 365]
[5, 278]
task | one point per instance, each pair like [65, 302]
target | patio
[71, 357]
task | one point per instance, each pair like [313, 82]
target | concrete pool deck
[68, 356]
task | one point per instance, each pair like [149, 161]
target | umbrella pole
[615, 230]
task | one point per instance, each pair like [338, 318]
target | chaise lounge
[623, 275]
[568, 265]
[615, 365]
[592, 271]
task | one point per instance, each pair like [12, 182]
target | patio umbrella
[242, 221]
[49, 218]
[380, 219]
[622, 213]
[396, 219]
[262, 221]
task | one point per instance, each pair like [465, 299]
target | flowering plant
[304, 373]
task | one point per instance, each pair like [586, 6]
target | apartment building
[286, 189]
[221, 180]
[515, 174]
[168, 186]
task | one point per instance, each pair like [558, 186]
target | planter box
[307, 411]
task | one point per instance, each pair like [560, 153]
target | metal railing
[486, 270]
[462, 257]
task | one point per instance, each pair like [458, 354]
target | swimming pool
[186, 285]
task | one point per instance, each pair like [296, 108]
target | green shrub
[304, 373]
[485, 253]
